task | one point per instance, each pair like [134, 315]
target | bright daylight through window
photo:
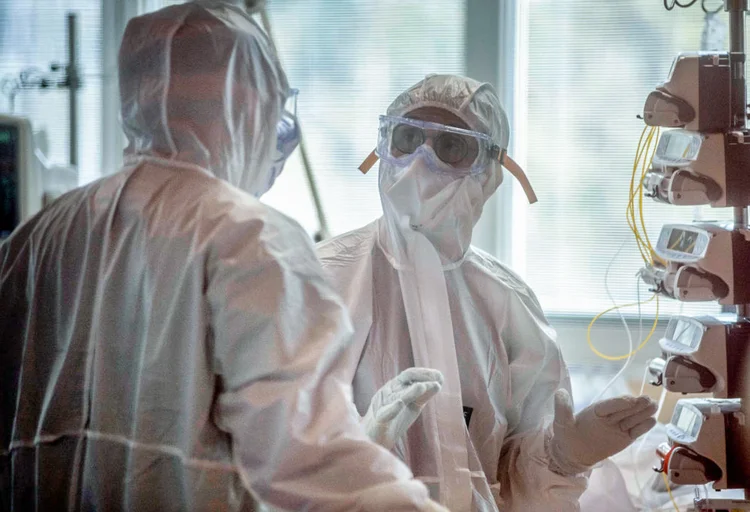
[585, 69]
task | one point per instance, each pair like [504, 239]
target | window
[584, 71]
[350, 59]
[33, 34]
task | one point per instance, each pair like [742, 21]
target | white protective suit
[167, 342]
[422, 296]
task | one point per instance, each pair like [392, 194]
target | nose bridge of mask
[426, 153]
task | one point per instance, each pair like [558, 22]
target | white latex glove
[596, 433]
[399, 403]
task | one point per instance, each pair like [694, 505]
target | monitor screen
[682, 240]
[678, 146]
[687, 333]
[687, 420]
[9, 214]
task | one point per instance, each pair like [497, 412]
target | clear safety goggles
[451, 150]
[454, 150]
[287, 129]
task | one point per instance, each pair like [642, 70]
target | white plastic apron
[431, 331]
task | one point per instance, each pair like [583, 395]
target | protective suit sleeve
[278, 334]
[537, 371]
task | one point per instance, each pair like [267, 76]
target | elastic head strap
[368, 163]
[518, 173]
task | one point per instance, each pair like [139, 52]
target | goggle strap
[368, 163]
[518, 173]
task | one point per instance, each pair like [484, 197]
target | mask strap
[369, 162]
[518, 173]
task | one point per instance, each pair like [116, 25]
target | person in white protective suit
[167, 342]
[501, 433]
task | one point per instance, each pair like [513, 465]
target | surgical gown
[168, 342]
[509, 364]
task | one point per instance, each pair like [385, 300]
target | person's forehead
[437, 115]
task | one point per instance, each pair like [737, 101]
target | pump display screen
[687, 421]
[9, 214]
[687, 333]
[681, 240]
[678, 146]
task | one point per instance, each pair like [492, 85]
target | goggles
[451, 150]
[287, 129]
[458, 151]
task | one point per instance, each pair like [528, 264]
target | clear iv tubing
[624, 323]
[635, 453]
[622, 370]
[643, 245]
[639, 449]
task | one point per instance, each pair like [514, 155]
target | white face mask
[442, 207]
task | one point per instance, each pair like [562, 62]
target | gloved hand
[398, 404]
[599, 431]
